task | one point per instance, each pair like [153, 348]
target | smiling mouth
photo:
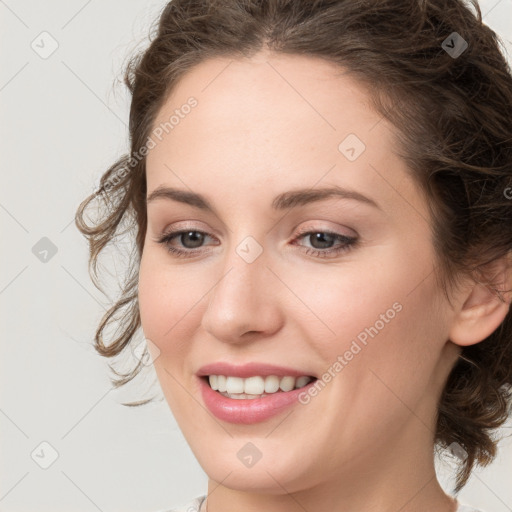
[255, 387]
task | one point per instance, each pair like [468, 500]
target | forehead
[274, 91]
[267, 120]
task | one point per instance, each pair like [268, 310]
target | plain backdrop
[67, 443]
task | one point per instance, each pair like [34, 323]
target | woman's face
[251, 287]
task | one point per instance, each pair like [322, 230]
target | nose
[244, 304]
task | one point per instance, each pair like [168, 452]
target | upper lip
[249, 370]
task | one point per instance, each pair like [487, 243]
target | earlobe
[482, 312]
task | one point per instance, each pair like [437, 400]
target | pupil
[197, 239]
[319, 237]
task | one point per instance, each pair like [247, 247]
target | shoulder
[195, 505]
[192, 506]
[465, 508]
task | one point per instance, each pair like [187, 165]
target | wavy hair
[452, 111]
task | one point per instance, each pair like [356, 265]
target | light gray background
[62, 124]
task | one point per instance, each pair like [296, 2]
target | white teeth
[287, 383]
[271, 384]
[302, 381]
[234, 385]
[255, 386]
[221, 383]
[241, 396]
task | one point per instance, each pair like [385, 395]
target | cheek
[169, 309]
[389, 355]
[166, 304]
[383, 323]
[340, 305]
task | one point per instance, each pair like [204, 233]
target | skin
[264, 126]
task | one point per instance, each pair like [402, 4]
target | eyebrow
[284, 201]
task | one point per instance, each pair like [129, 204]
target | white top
[196, 503]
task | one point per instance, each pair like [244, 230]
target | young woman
[320, 192]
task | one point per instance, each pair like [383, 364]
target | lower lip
[245, 410]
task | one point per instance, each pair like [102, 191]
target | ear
[484, 305]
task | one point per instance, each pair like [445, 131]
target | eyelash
[348, 243]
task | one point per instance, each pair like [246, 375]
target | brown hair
[453, 116]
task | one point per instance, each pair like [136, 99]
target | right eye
[190, 239]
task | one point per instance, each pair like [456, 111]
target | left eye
[324, 238]
[322, 241]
